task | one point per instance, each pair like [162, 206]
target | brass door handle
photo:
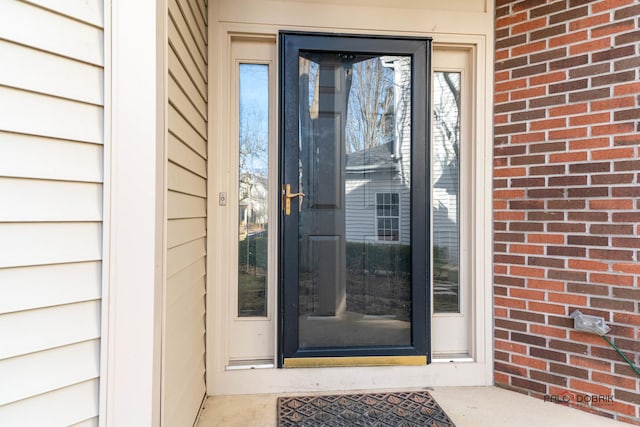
[287, 195]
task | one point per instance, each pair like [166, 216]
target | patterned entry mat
[397, 409]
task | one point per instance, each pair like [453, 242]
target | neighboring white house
[378, 177]
[377, 199]
[446, 164]
[253, 203]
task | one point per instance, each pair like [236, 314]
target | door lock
[287, 195]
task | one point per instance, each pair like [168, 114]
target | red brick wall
[567, 198]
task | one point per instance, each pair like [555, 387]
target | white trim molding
[133, 268]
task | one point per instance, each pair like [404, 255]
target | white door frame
[474, 370]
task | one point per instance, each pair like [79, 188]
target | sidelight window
[253, 184]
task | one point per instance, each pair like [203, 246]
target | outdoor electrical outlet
[587, 323]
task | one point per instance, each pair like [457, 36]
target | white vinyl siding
[183, 386]
[361, 206]
[62, 406]
[51, 174]
[446, 174]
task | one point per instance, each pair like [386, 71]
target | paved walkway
[466, 406]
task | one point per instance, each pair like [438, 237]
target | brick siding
[567, 199]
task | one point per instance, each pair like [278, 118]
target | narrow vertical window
[446, 191]
[253, 189]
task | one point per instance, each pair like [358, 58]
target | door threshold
[317, 362]
[236, 365]
[451, 358]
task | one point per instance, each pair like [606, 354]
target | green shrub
[252, 254]
[376, 258]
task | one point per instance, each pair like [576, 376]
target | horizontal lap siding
[184, 345]
[360, 211]
[62, 406]
[566, 199]
[361, 206]
[51, 174]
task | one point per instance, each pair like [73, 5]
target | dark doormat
[416, 408]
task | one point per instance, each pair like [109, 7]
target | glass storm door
[354, 214]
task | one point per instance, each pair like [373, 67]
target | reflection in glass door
[354, 214]
[253, 189]
[447, 116]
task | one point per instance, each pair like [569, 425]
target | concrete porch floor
[466, 406]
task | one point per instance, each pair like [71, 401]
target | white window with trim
[388, 217]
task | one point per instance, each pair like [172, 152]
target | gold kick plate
[287, 195]
[317, 362]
